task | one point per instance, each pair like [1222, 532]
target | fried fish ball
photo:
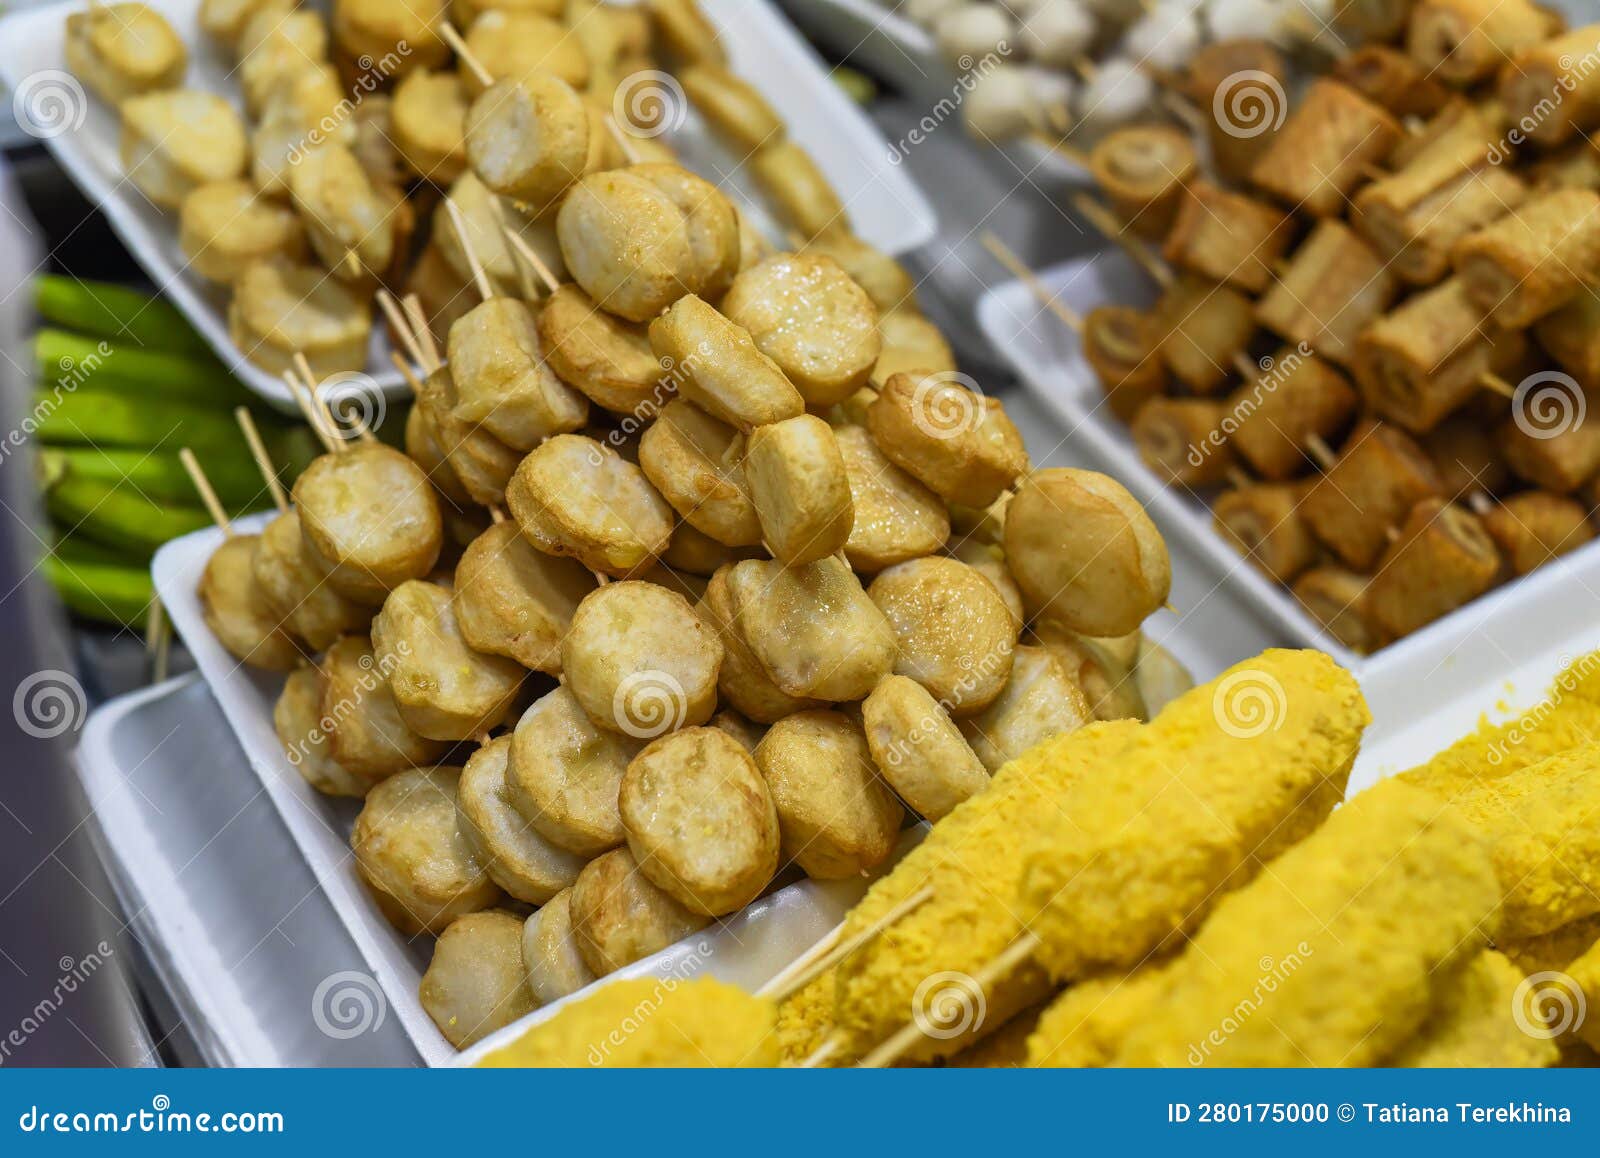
[483, 464]
[700, 821]
[626, 243]
[954, 634]
[565, 772]
[528, 137]
[804, 312]
[575, 496]
[274, 47]
[175, 140]
[445, 690]
[958, 443]
[410, 850]
[305, 108]
[465, 12]
[800, 489]
[502, 381]
[743, 681]
[1084, 552]
[911, 344]
[989, 560]
[235, 612]
[711, 223]
[422, 446]
[511, 45]
[366, 736]
[293, 586]
[836, 818]
[732, 107]
[682, 30]
[798, 189]
[514, 601]
[716, 364]
[895, 517]
[430, 125]
[401, 34]
[918, 750]
[619, 916]
[550, 956]
[122, 50]
[519, 860]
[640, 661]
[475, 983]
[697, 555]
[297, 720]
[888, 283]
[605, 358]
[1039, 701]
[224, 227]
[1107, 680]
[697, 463]
[279, 310]
[225, 20]
[370, 516]
[812, 628]
[486, 217]
[350, 221]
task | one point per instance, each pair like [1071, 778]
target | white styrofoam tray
[750, 946]
[885, 207]
[230, 915]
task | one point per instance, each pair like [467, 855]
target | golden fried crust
[236, 613]
[475, 984]
[1473, 1023]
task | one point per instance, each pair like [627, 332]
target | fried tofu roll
[1293, 400]
[1534, 527]
[1376, 481]
[1333, 287]
[1465, 41]
[1227, 237]
[1533, 260]
[1325, 148]
[1534, 76]
[1442, 559]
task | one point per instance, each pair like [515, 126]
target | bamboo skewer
[424, 335]
[521, 249]
[448, 33]
[832, 949]
[397, 323]
[1018, 269]
[258, 451]
[208, 496]
[308, 409]
[480, 276]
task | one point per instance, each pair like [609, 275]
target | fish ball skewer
[516, 856]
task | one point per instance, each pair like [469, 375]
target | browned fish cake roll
[1141, 170]
[1379, 477]
[1205, 328]
[1275, 416]
[1227, 237]
[1333, 286]
[1325, 148]
[1183, 441]
[1442, 560]
[1533, 260]
[1465, 41]
[1123, 347]
[1264, 522]
[1534, 527]
[1337, 599]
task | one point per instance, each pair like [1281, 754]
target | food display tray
[1048, 358]
[885, 206]
[749, 947]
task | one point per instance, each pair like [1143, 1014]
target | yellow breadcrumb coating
[1004, 1049]
[1224, 778]
[1568, 715]
[1325, 959]
[1585, 974]
[805, 1020]
[1552, 951]
[1086, 1025]
[1472, 1024]
[1542, 824]
[973, 860]
[648, 1022]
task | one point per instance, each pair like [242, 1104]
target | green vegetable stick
[107, 592]
[116, 312]
[119, 517]
[159, 475]
[105, 418]
[74, 362]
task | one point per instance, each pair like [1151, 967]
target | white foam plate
[749, 947]
[1048, 358]
[885, 206]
